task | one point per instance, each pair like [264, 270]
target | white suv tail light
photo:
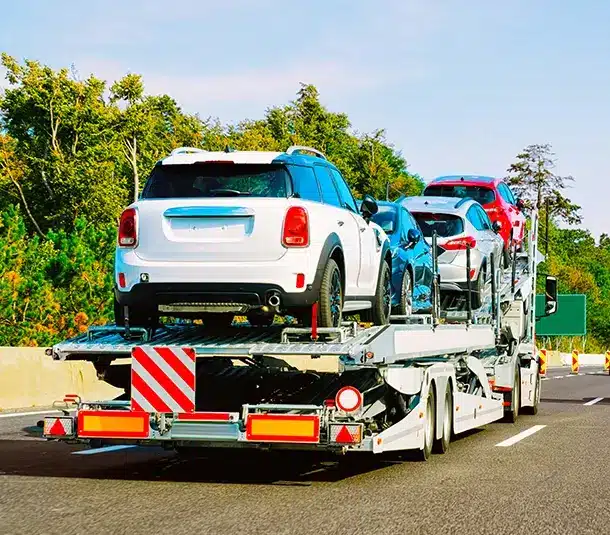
[296, 227]
[128, 228]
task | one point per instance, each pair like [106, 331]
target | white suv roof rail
[186, 150]
[301, 148]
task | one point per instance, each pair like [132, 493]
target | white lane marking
[36, 413]
[592, 402]
[105, 449]
[559, 377]
[524, 434]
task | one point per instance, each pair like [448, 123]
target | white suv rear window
[217, 180]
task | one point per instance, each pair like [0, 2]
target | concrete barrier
[29, 378]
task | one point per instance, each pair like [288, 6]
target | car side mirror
[496, 226]
[413, 236]
[550, 301]
[520, 204]
[369, 207]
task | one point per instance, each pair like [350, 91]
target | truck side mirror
[550, 301]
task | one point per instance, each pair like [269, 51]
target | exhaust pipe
[274, 299]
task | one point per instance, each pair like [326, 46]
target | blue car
[412, 275]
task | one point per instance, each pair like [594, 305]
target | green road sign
[570, 319]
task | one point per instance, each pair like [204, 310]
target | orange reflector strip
[113, 424]
[283, 428]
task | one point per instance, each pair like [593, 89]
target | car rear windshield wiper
[228, 192]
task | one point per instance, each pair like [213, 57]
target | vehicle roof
[443, 205]
[468, 180]
[192, 156]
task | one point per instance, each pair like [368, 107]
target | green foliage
[74, 154]
[532, 177]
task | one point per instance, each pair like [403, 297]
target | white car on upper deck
[215, 234]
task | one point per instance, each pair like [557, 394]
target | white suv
[459, 224]
[219, 234]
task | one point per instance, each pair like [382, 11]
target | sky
[459, 87]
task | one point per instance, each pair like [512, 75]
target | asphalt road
[553, 481]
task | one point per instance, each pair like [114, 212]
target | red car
[496, 198]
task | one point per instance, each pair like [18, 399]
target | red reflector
[296, 227]
[122, 282]
[128, 228]
[344, 436]
[459, 244]
[57, 429]
[300, 280]
[472, 273]
[330, 403]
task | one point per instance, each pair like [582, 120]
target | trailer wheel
[534, 410]
[513, 413]
[442, 444]
[429, 427]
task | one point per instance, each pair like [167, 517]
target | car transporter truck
[407, 386]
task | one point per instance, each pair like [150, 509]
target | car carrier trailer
[407, 386]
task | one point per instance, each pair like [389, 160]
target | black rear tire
[405, 308]
[330, 305]
[429, 428]
[382, 308]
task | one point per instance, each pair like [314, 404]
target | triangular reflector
[57, 429]
[344, 436]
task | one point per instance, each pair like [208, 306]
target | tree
[533, 179]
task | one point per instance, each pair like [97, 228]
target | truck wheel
[534, 410]
[429, 427]
[382, 308]
[442, 445]
[513, 412]
[331, 296]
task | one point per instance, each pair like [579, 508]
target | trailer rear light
[296, 227]
[345, 433]
[122, 281]
[330, 403]
[348, 399]
[113, 424]
[471, 273]
[128, 228]
[460, 244]
[58, 427]
[300, 280]
[283, 428]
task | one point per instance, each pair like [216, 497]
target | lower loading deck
[403, 407]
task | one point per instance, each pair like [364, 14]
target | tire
[441, 445]
[330, 306]
[405, 308]
[506, 258]
[534, 410]
[512, 414]
[429, 428]
[475, 295]
[382, 308]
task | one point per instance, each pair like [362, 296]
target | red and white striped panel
[163, 379]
